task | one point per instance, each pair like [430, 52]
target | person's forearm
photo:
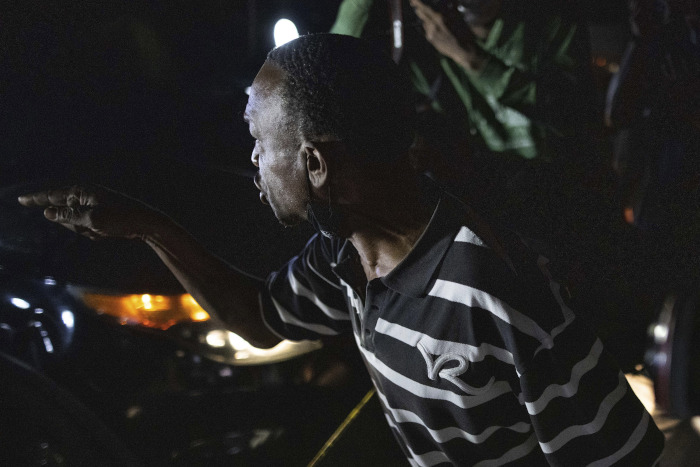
[223, 291]
[470, 57]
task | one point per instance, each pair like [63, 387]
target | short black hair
[347, 89]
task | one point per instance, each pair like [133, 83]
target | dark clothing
[476, 356]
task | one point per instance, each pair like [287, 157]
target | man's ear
[317, 163]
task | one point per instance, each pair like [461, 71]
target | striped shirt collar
[415, 275]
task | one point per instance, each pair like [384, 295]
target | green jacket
[533, 95]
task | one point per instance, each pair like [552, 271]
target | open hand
[93, 211]
[449, 34]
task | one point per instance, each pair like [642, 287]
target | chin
[287, 223]
[286, 219]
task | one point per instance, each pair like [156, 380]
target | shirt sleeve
[304, 299]
[580, 405]
[529, 87]
[352, 17]
[582, 408]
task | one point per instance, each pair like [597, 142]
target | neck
[386, 230]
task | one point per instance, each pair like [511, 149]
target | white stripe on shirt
[427, 392]
[440, 347]
[512, 455]
[289, 318]
[311, 267]
[421, 460]
[632, 442]
[467, 236]
[431, 458]
[555, 287]
[571, 388]
[594, 426]
[444, 435]
[459, 293]
[302, 291]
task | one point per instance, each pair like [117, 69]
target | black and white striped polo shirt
[475, 355]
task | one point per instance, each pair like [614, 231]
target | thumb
[51, 213]
[77, 215]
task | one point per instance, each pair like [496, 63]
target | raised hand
[93, 211]
[450, 35]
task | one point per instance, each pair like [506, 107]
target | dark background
[147, 97]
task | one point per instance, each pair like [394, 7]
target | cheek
[297, 187]
[287, 178]
[294, 177]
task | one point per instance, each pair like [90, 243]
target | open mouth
[263, 197]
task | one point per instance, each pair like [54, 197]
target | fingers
[94, 212]
[34, 199]
[424, 12]
[437, 25]
[78, 216]
[73, 196]
[45, 198]
[80, 220]
[431, 20]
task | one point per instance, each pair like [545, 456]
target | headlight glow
[163, 311]
[216, 338]
[68, 318]
[283, 351]
[20, 303]
[153, 311]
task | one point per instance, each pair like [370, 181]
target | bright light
[19, 303]
[285, 31]
[661, 333]
[282, 351]
[155, 311]
[237, 342]
[695, 422]
[200, 315]
[48, 345]
[643, 388]
[216, 338]
[68, 318]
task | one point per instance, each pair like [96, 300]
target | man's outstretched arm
[223, 291]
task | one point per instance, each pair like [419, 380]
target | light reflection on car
[203, 335]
